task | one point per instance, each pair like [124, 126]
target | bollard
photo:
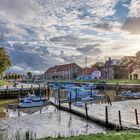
[120, 121]
[106, 116]
[86, 110]
[136, 114]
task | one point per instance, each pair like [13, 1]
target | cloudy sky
[42, 33]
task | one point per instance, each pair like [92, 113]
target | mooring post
[70, 102]
[76, 94]
[136, 114]
[117, 89]
[45, 90]
[18, 96]
[106, 116]
[120, 120]
[59, 97]
[48, 91]
[31, 88]
[91, 92]
[7, 89]
[86, 110]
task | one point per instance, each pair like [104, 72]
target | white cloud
[134, 9]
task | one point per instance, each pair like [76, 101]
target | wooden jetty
[12, 92]
[121, 115]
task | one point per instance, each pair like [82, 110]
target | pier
[22, 90]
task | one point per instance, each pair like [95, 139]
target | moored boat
[33, 98]
[29, 103]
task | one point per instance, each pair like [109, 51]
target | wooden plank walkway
[97, 112]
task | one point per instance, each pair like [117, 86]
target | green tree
[5, 62]
[29, 74]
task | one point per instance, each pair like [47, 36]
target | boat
[29, 103]
[89, 86]
[33, 97]
[130, 95]
[79, 93]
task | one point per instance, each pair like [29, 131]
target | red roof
[88, 71]
[62, 67]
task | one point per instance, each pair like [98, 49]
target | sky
[38, 34]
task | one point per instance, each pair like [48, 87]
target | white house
[89, 74]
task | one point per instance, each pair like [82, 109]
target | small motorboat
[29, 103]
[33, 98]
[89, 86]
[79, 93]
[130, 95]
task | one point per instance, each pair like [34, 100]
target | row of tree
[12, 76]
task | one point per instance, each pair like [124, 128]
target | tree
[29, 74]
[5, 61]
[98, 65]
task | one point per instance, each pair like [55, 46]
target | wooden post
[31, 88]
[106, 116]
[117, 89]
[91, 92]
[48, 91]
[76, 94]
[136, 114]
[7, 90]
[70, 102]
[45, 90]
[86, 110]
[69, 105]
[59, 97]
[21, 89]
[18, 96]
[120, 121]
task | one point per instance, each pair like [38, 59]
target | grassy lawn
[121, 81]
[2, 83]
[126, 135]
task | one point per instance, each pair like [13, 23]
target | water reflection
[51, 122]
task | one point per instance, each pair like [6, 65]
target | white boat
[29, 103]
[33, 98]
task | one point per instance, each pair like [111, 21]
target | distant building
[112, 70]
[135, 74]
[89, 74]
[39, 78]
[107, 70]
[66, 71]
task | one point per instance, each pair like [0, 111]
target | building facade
[107, 70]
[67, 71]
[135, 74]
[89, 74]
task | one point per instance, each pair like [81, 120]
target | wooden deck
[97, 113]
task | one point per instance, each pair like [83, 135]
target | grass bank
[124, 135]
[6, 102]
[2, 83]
[109, 81]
